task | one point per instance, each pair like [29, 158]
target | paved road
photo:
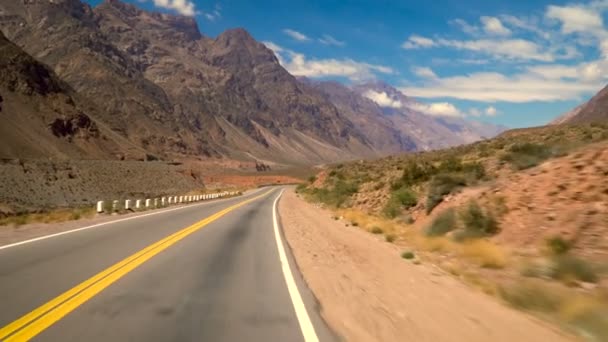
[206, 272]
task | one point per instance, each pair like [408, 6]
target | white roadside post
[163, 201]
[148, 202]
[127, 204]
[181, 199]
[114, 205]
[99, 207]
[156, 203]
[138, 204]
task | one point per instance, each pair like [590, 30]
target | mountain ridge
[159, 83]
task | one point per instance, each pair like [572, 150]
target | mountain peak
[184, 24]
[235, 36]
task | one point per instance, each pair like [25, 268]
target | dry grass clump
[485, 254]
[54, 216]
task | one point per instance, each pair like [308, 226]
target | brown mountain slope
[594, 110]
[39, 117]
[158, 82]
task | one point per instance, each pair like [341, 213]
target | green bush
[415, 173]
[440, 186]
[558, 246]
[300, 188]
[408, 255]
[376, 230]
[312, 179]
[477, 223]
[337, 194]
[566, 267]
[527, 155]
[444, 223]
[400, 199]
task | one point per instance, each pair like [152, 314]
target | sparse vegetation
[376, 230]
[444, 223]
[54, 216]
[558, 246]
[476, 222]
[568, 268]
[527, 155]
[390, 238]
[408, 255]
[402, 198]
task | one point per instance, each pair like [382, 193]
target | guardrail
[158, 202]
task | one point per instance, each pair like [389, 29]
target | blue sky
[517, 63]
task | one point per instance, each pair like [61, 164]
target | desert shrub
[527, 155]
[531, 296]
[312, 179]
[389, 237]
[568, 267]
[400, 199]
[336, 195]
[415, 173]
[376, 230]
[444, 223]
[300, 188]
[476, 222]
[355, 224]
[440, 186]
[408, 255]
[558, 246]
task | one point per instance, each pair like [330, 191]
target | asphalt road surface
[213, 271]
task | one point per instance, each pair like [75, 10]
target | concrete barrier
[158, 202]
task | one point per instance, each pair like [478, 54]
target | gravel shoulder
[368, 293]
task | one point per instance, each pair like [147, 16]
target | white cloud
[527, 24]
[524, 87]
[382, 99]
[494, 26]
[213, 15]
[554, 71]
[436, 109]
[465, 27]
[299, 65]
[183, 7]
[417, 42]
[519, 49]
[576, 18]
[329, 40]
[423, 72]
[301, 37]
[491, 111]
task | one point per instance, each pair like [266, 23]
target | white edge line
[109, 222]
[308, 330]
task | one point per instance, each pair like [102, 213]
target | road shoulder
[368, 293]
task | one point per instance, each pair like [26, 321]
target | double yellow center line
[33, 323]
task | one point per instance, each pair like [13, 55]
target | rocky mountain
[40, 116]
[594, 110]
[428, 131]
[156, 85]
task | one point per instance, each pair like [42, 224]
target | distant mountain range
[115, 81]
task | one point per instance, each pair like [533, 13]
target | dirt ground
[367, 292]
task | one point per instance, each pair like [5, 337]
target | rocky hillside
[594, 110]
[523, 216]
[40, 117]
[163, 88]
